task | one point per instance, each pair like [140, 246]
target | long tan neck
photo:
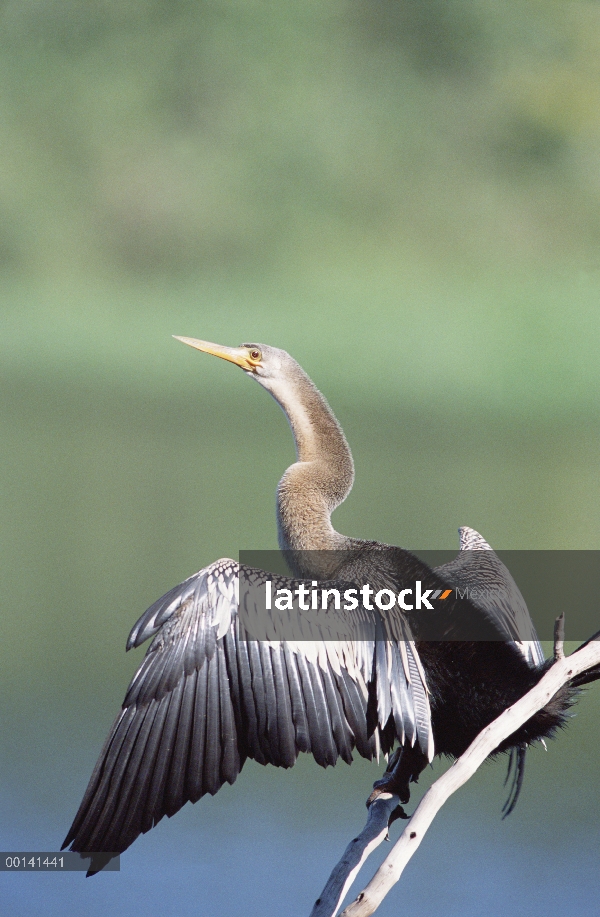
[322, 476]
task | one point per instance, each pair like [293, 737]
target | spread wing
[209, 694]
[491, 589]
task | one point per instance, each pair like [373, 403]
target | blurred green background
[405, 196]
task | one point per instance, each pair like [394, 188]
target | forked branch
[563, 670]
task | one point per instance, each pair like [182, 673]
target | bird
[223, 680]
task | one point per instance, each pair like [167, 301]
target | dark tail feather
[592, 674]
[516, 761]
[515, 773]
[585, 678]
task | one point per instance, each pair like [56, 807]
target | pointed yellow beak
[237, 355]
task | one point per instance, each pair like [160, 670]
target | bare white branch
[564, 668]
[559, 637]
[355, 854]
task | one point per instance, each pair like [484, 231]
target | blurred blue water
[266, 845]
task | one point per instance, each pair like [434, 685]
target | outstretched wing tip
[471, 540]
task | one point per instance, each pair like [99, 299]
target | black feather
[298, 712]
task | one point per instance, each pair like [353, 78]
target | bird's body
[209, 695]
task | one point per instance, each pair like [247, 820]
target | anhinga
[206, 697]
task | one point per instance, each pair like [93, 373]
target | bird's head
[317, 435]
[268, 365]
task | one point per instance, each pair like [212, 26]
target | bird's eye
[255, 354]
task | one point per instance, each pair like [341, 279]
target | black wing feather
[246, 711]
[195, 772]
[297, 704]
[175, 788]
[288, 751]
[257, 695]
[205, 698]
[354, 708]
[341, 732]
[212, 749]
